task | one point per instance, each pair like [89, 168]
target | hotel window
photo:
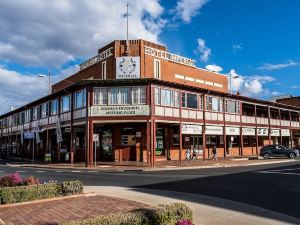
[65, 104]
[80, 99]
[232, 106]
[125, 96]
[27, 116]
[176, 100]
[44, 110]
[113, 96]
[214, 104]
[189, 100]
[54, 107]
[138, 95]
[157, 69]
[104, 70]
[157, 96]
[167, 97]
[100, 96]
[35, 113]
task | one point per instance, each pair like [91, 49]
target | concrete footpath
[206, 210]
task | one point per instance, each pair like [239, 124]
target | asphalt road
[275, 187]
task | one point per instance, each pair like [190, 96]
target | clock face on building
[127, 67]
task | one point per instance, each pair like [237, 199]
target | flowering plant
[184, 222]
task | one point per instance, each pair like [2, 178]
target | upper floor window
[35, 113]
[100, 96]
[189, 100]
[27, 116]
[80, 99]
[44, 110]
[232, 106]
[54, 107]
[214, 104]
[65, 104]
[157, 69]
[138, 95]
[120, 95]
[157, 96]
[103, 70]
[167, 97]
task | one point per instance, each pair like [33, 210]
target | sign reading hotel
[169, 56]
[103, 55]
[128, 67]
[138, 110]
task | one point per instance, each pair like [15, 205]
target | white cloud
[252, 86]
[237, 47]
[51, 33]
[269, 67]
[203, 50]
[186, 9]
[19, 89]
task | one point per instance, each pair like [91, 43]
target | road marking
[40, 171]
[58, 171]
[277, 172]
[21, 171]
[285, 169]
[76, 171]
[1, 171]
[92, 171]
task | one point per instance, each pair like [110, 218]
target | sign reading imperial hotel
[147, 106]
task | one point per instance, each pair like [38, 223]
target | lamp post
[49, 81]
[232, 75]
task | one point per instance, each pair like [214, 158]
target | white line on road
[58, 171]
[40, 171]
[76, 171]
[274, 172]
[21, 171]
[285, 169]
[92, 171]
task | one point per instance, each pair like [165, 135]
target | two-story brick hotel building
[146, 105]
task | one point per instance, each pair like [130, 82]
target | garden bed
[173, 214]
[15, 189]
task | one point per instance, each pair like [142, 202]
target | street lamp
[49, 81]
[232, 75]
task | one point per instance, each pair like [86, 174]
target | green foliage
[162, 215]
[28, 193]
[39, 191]
[71, 187]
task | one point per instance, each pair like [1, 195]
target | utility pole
[127, 41]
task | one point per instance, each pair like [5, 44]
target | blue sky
[259, 39]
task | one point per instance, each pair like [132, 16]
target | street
[275, 187]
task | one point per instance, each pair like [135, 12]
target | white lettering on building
[169, 56]
[101, 56]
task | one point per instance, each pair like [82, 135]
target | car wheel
[267, 156]
[292, 155]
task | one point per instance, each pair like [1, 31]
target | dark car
[278, 150]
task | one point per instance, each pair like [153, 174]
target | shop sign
[28, 135]
[128, 67]
[285, 132]
[232, 131]
[275, 132]
[248, 131]
[214, 130]
[138, 110]
[262, 131]
[191, 129]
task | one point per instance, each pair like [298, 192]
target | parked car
[278, 150]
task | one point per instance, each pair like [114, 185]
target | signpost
[95, 140]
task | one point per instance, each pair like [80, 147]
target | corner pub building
[147, 106]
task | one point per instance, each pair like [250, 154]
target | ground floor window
[128, 137]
